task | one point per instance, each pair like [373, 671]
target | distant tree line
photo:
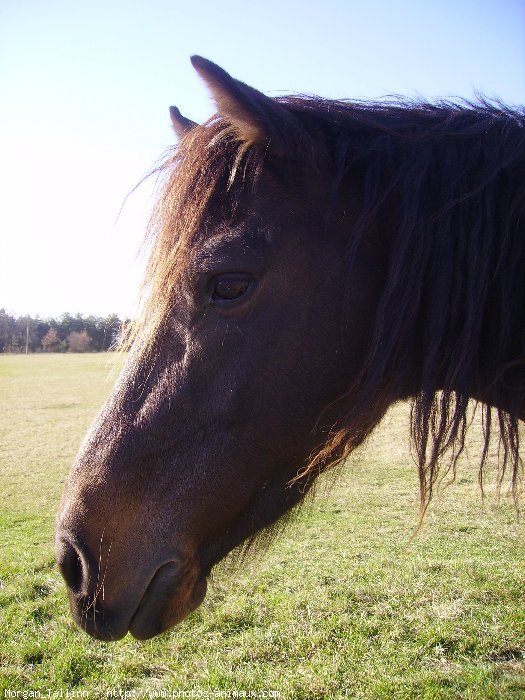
[67, 333]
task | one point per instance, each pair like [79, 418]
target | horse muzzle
[107, 603]
[171, 595]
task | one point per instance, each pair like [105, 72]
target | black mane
[449, 178]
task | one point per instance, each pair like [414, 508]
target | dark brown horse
[311, 262]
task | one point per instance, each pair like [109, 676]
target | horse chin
[97, 621]
[171, 595]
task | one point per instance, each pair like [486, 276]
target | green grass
[344, 605]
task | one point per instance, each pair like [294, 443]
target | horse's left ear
[256, 117]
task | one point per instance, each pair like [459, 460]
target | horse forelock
[205, 171]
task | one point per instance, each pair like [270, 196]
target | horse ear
[181, 125]
[256, 117]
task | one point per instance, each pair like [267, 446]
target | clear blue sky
[85, 88]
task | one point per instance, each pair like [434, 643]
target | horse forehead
[226, 240]
[272, 210]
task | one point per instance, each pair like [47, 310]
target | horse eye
[229, 287]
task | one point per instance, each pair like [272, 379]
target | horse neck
[450, 314]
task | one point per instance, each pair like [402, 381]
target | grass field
[344, 605]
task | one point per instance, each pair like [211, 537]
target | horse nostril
[71, 565]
